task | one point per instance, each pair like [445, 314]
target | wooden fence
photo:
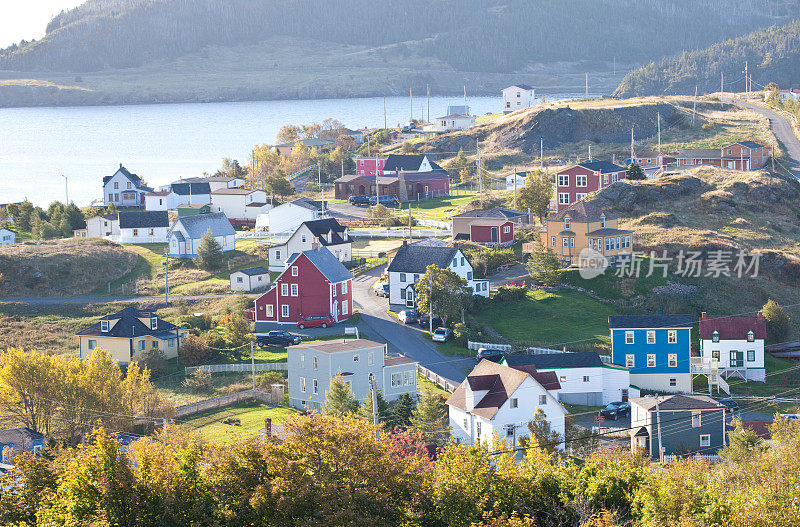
[442, 382]
[221, 368]
[222, 401]
[532, 350]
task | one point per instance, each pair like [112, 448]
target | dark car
[732, 405]
[278, 338]
[489, 354]
[386, 201]
[616, 410]
[425, 320]
[407, 128]
[315, 321]
[407, 316]
[359, 199]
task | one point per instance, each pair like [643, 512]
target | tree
[280, 185]
[339, 400]
[441, 292]
[540, 434]
[635, 173]
[778, 322]
[536, 194]
[400, 413]
[209, 254]
[544, 266]
[195, 351]
[288, 132]
[365, 409]
[24, 488]
[236, 329]
[27, 389]
[430, 418]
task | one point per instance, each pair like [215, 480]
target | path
[783, 131]
[51, 300]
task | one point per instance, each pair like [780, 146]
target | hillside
[772, 55]
[485, 43]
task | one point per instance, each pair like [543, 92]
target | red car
[315, 321]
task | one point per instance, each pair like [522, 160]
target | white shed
[250, 279]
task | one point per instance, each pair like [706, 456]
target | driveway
[783, 131]
[347, 211]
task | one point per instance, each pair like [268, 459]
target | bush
[509, 293]
[196, 351]
[201, 323]
[199, 382]
[268, 378]
[462, 333]
[209, 254]
[154, 360]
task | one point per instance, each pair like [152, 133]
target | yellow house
[585, 225]
[131, 331]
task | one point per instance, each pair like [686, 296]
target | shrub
[154, 359]
[462, 333]
[778, 322]
[199, 382]
[195, 351]
[268, 378]
[509, 293]
[209, 254]
[201, 323]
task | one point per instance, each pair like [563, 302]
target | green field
[251, 415]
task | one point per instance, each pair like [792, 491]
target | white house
[411, 261]
[286, 218]
[735, 344]
[498, 399]
[144, 226]
[178, 194]
[518, 97]
[584, 378]
[184, 237]
[250, 279]
[101, 226]
[240, 204]
[517, 178]
[124, 189]
[7, 236]
[449, 123]
[310, 235]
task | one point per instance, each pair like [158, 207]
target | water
[163, 143]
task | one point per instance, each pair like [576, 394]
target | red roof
[761, 428]
[733, 328]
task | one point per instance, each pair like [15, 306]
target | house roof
[311, 141]
[257, 204]
[307, 203]
[733, 328]
[749, 144]
[159, 193]
[432, 242]
[143, 219]
[607, 232]
[649, 321]
[500, 381]
[326, 262]
[645, 155]
[196, 226]
[496, 212]
[394, 361]
[253, 271]
[321, 228]
[193, 189]
[582, 359]
[129, 325]
[408, 162]
[521, 86]
[678, 402]
[338, 346]
[234, 191]
[7, 229]
[192, 205]
[417, 258]
[604, 167]
[457, 116]
[583, 211]
[133, 178]
[760, 428]
[347, 178]
[413, 175]
[18, 436]
[209, 179]
[700, 153]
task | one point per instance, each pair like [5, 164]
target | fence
[222, 401]
[445, 384]
[220, 368]
[709, 458]
[399, 233]
[478, 345]
[533, 350]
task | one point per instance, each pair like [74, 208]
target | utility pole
[590, 152]
[411, 102]
[478, 168]
[66, 187]
[694, 105]
[166, 276]
[587, 85]
[746, 87]
[369, 152]
[253, 364]
[342, 167]
[428, 86]
[615, 64]
[773, 154]
[465, 100]
[659, 132]
[658, 425]
[721, 87]
[541, 153]
[430, 305]
[515, 189]
[632, 153]
[374, 406]
[384, 114]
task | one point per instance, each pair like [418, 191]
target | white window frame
[542, 400]
[651, 336]
[513, 402]
[284, 289]
[651, 360]
[672, 360]
[697, 418]
[585, 378]
[270, 311]
[344, 288]
[563, 198]
[672, 336]
[285, 310]
[104, 326]
[751, 353]
[345, 307]
[302, 385]
[315, 386]
[629, 337]
[705, 440]
[673, 381]
[563, 180]
[295, 290]
[581, 178]
[630, 360]
[294, 270]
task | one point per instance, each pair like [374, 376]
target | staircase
[710, 369]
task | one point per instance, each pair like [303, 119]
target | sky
[27, 20]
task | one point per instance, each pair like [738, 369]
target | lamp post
[166, 276]
[66, 188]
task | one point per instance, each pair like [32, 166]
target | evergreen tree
[209, 254]
[544, 266]
[635, 173]
[778, 322]
[430, 418]
[339, 400]
[365, 410]
[400, 413]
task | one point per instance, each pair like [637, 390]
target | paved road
[50, 300]
[345, 210]
[783, 131]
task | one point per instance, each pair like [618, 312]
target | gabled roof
[338, 345]
[133, 178]
[583, 211]
[700, 153]
[408, 162]
[307, 203]
[748, 144]
[520, 86]
[413, 175]
[143, 219]
[321, 228]
[497, 212]
[604, 167]
[649, 321]
[192, 205]
[582, 359]
[733, 328]
[417, 258]
[196, 226]
[326, 262]
[7, 229]
[158, 193]
[253, 271]
[209, 179]
[129, 325]
[395, 361]
[235, 191]
[457, 116]
[194, 189]
[646, 155]
[432, 242]
[18, 436]
[608, 232]
[678, 402]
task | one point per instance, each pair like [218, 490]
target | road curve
[783, 131]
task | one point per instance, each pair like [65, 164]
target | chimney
[703, 314]
[405, 242]
[760, 315]
[120, 165]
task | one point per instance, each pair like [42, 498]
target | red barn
[313, 283]
[575, 182]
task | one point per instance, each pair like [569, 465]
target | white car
[440, 335]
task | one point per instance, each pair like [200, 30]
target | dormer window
[567, 223]
[104, 326]
[153, 322]
[715, 336]
[602, 221]
[751, 337]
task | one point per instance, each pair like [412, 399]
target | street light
[66, 187]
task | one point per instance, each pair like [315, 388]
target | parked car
[489, 354]
[732, 405]
[381, 289]
[424, 320]
[358, 199]
[616, 410]
[407, 316]
[441, 335]
[407, 128]
[315, 321]
[386, 201]
[278, 338]
[789, 417]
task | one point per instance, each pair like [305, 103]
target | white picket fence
[710, 458]
[221, 368]
[399, 233]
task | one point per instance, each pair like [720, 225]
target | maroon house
[649, 160]
[418, 185]
[575, 182]
[744, 155]
[488, 226]
[313, 283]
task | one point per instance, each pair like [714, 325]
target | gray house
[313, 365]
[185, 235]
[690, 424]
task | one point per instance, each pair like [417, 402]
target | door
[624, 395]
[737, 359]
[494, 234]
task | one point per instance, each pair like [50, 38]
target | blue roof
[649, 321]
[326, 262]
[603, 167]
[193, 189]
[749, 144]
[197, 226]
[253, 271]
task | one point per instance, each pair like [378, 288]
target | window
[344, 288]
[316, 386]
[302, 360]
[455, 262]
[542, 400]
[465, 423]
[284, 310]
[672, 336]
[672, 360]
[303, 384]
[564, 241]
[563, 198]
[303, 238]
[295, 290]
[171, 343]
[155, 344]
[284, 289]
[737, 359]
[630, 360]
[567, 222]
[371, 358]
[463, 261]
[562, 378]
[563, 180]
[92, 344]
[402, 277]
[407, 378]
[314, 363]
[585, 378]
[469, 275]
[153, 322]
[629, 337]
[397, 380]
[715, 336]
[579, 196]
[104, 326]
[514, 403]
[402, 294]
[345, 308]
[553, 241]
[277, 255]
[478, 429]
[294, 270]
[602, 221]
[416, 277]
[136, 232]
[751, 337]
[269, 311]
[615, 177]
[605, 179]
[239, 279]
[751, 355]
[116, 185]
[705, 439]
[152, 232]
[355, 358]
[580, 181]
[651, 337]
[651, 360]
[141, 345]
[506, 229]
[673, 382]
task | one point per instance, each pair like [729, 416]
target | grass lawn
[424, 385]
[564, 318]
[779, 381]
[251, 416]
[451, 348]
[443, 205]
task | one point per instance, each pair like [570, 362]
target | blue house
[16, 441]
[656, 349]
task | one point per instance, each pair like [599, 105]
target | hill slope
[772, 54]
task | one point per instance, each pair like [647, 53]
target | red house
[368, 166]
[313, 283]
[744, 155]
[488, 226]
[575, 182]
